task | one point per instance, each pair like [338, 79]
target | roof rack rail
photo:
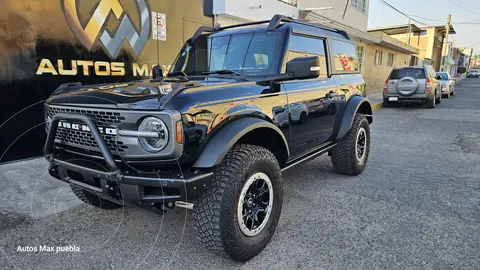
[272, 25]
[278, 19]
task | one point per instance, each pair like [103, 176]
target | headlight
[153, 145]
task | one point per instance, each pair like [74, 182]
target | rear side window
[306, 47]
[418, 73]
[345, 57]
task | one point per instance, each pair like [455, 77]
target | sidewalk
[376, 100]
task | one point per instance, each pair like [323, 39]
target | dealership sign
[95, 30]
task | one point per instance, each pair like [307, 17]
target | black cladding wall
[46, 43]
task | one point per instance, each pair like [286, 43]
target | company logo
[82, 127]
[95, 27]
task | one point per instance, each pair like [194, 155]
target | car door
[311, 102]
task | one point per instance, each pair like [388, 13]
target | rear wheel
[386, 103]
[241, 206]
[439, 99]
[431, 103]
[93, 199]
[351, 153]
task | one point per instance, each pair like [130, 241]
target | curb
[376, 106]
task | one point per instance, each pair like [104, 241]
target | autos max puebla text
[44, 248]
[100, 68]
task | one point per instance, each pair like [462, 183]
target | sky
[437, 10]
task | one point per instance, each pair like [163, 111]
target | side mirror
[304, 67]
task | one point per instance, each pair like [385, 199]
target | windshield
[247, 54]
[417, 73]
[443, 76]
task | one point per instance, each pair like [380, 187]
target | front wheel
[351, 153]
[439, 99]
[241, 206]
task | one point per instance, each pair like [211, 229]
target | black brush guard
[115, 184]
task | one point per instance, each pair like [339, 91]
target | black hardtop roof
[277, 23]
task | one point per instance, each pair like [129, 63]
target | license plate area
[393, 99]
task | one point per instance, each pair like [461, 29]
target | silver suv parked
[413, 84]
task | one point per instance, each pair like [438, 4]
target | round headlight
[153, 145]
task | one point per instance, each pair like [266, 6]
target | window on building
[290, 2]
[360, 52]
[390, 60]
[358, 4]
[306, 47]
[378, 58]
[423, 33]
[345, 56]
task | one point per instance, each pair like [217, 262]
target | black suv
[240, 105]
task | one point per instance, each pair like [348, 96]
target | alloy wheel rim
[255, 204]
[361, 145]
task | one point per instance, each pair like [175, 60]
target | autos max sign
[95, 30]
[47, 43]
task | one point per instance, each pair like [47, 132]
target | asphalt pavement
[417, 205]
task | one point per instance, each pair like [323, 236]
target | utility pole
[445, 43]
[407, 41]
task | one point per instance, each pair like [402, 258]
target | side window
[345, 57]
[305, 47]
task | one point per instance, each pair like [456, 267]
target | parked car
[447, 83]
[474, 73]
[413, 84]
[206, 137]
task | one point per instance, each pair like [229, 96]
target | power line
[399, 11]
[460, 6]
[467, 4]
[433, 20]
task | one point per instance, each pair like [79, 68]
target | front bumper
[112, 182]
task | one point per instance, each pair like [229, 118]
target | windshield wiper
[225, 71]
[179, 75]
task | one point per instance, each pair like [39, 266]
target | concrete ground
[417, 205]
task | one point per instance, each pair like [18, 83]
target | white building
[351, 16]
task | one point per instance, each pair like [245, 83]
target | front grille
[102, 118]
[84, 138]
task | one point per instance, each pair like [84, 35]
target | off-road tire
[431, 103]
[215, 213]
[343, 156]
[93, 199]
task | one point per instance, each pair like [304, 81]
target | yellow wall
[375, 76]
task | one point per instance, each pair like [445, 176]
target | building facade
[429, 40]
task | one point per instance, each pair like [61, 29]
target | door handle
[332, 94]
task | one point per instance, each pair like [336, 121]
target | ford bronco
[240, 105]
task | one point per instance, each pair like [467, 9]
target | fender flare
[223, 140]
[355, 104]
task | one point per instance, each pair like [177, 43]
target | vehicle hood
[132, 95]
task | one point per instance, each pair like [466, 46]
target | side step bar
[309, 156]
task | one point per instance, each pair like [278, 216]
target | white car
[447, 83]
